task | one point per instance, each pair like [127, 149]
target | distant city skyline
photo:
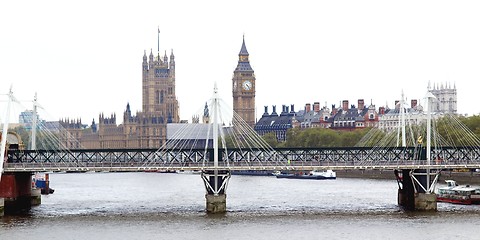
[84, 60]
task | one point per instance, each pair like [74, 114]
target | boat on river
[188, 171]
[314, 175]
[42, 182]
[453, 193]
[252, 172]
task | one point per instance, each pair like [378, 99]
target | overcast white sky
[85, 58]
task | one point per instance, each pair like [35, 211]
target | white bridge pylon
[428, 186]
[4, 135]
[220, 181]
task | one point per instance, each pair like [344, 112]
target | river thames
[172, 206]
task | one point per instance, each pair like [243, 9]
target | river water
[171, 206]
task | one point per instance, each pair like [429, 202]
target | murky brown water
[171, 206]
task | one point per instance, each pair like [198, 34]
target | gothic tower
[446, 98]
[159, 102]
[158, 87]
[243, 87]
[206, 114]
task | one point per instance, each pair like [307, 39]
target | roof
[350, 114]
[270, 122]
[188, 131]
[243, 50]
[244, 66]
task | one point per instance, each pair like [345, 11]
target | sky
[84, 58]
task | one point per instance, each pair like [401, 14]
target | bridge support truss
[216, 185]
[416, 189]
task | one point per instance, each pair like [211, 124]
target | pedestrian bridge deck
[135, 160]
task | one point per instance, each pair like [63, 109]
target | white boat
[315, 174]
[453, 193]
[188, 171]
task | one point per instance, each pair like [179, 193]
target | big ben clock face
[247, 85]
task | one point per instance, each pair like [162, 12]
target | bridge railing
[235, 158]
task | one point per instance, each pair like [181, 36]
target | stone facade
[146, 129]
[389, 119]
[446, 98]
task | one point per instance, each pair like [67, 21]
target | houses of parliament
[148, 128]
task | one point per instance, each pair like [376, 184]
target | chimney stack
[345, 105]
[307, 107]
[316, 107]
[413, 103]
[381, 110]
[361, 104]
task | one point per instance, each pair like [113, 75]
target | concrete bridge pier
[216, 185]
[2, 207]
[414, 194]
[405, 198]
[16, 192]
[36, 197]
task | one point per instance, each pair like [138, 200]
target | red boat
[453, 193]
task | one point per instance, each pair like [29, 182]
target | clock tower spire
[243, 87]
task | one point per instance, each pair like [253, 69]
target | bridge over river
[416, 167]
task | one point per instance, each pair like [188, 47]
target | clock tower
[243, 87]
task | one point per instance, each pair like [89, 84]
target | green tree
[473, 123]
[271, 139]
[44, 139]
[322, 137]
[24, 135]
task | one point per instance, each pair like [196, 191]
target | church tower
[243, 87]
[446, 98]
